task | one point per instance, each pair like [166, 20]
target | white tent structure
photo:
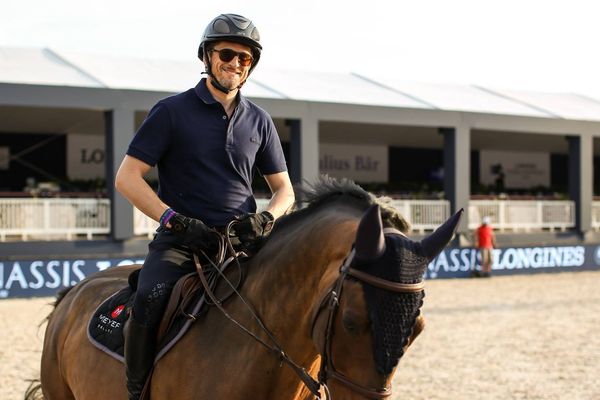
[43, 90]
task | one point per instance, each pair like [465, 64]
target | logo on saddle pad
[107, 324]
[110, 321]
[117, 311]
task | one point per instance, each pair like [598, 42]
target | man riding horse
[206, 143]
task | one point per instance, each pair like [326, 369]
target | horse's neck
[295, 269]
[286, 280]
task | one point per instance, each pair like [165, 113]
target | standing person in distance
[207, 143]
[486, 242]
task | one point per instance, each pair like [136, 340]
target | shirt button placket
[228, 138]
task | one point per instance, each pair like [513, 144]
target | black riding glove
[194, 232]
[251, 229]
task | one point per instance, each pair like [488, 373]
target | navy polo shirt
[205, 160]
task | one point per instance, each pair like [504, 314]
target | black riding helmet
[232, 28]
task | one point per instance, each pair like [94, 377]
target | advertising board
[45, 277]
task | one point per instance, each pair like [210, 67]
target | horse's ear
[370, 242]
[433, 244]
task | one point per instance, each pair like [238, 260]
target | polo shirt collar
[204, 94]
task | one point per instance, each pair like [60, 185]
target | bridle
[330, 301]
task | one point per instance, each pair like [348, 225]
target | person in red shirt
[486, 242]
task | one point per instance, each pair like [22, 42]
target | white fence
[47, 219]
[54, 218]
[423, 215]
[596, 215]
[523, 215]
[143, 225]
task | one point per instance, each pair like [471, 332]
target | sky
[548, 46]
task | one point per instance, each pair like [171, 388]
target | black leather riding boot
[139, 356]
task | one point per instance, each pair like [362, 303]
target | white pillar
[457, 170]
[120, 125]
[309, 149]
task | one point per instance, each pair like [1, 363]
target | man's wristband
[268, 215]
[166, 216]
[268, 225]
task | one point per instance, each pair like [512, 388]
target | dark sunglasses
[226, 55]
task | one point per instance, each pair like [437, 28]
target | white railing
[53, 218]
[46, 219]
[423, 215]
[143, 225]
[146, 226]
[523, 215]
[596, 215]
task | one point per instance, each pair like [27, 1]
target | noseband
[332, 301]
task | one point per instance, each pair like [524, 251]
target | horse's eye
[350, 326]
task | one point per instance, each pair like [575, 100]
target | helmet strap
[215, 83]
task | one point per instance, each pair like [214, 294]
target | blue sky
[550, 45]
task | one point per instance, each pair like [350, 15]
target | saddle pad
[105, 329]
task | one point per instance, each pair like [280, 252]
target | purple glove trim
[167, 215]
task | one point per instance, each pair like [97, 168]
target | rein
[327, 370]
[275, 347]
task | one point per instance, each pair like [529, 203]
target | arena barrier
[45, 277]
[59, 219]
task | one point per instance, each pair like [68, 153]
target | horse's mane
[327, 190]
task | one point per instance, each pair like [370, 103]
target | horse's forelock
[391, 216]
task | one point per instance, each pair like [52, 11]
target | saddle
[186, 304]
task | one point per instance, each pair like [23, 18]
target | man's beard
[231, 82]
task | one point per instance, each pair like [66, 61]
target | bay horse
[337, 285]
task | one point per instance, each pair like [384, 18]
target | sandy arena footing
[511, 337]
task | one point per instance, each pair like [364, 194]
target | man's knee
[150, 302]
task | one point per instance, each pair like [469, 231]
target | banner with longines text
[34, 278]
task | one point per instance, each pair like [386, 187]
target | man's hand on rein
[195, 233]
[251, 229]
